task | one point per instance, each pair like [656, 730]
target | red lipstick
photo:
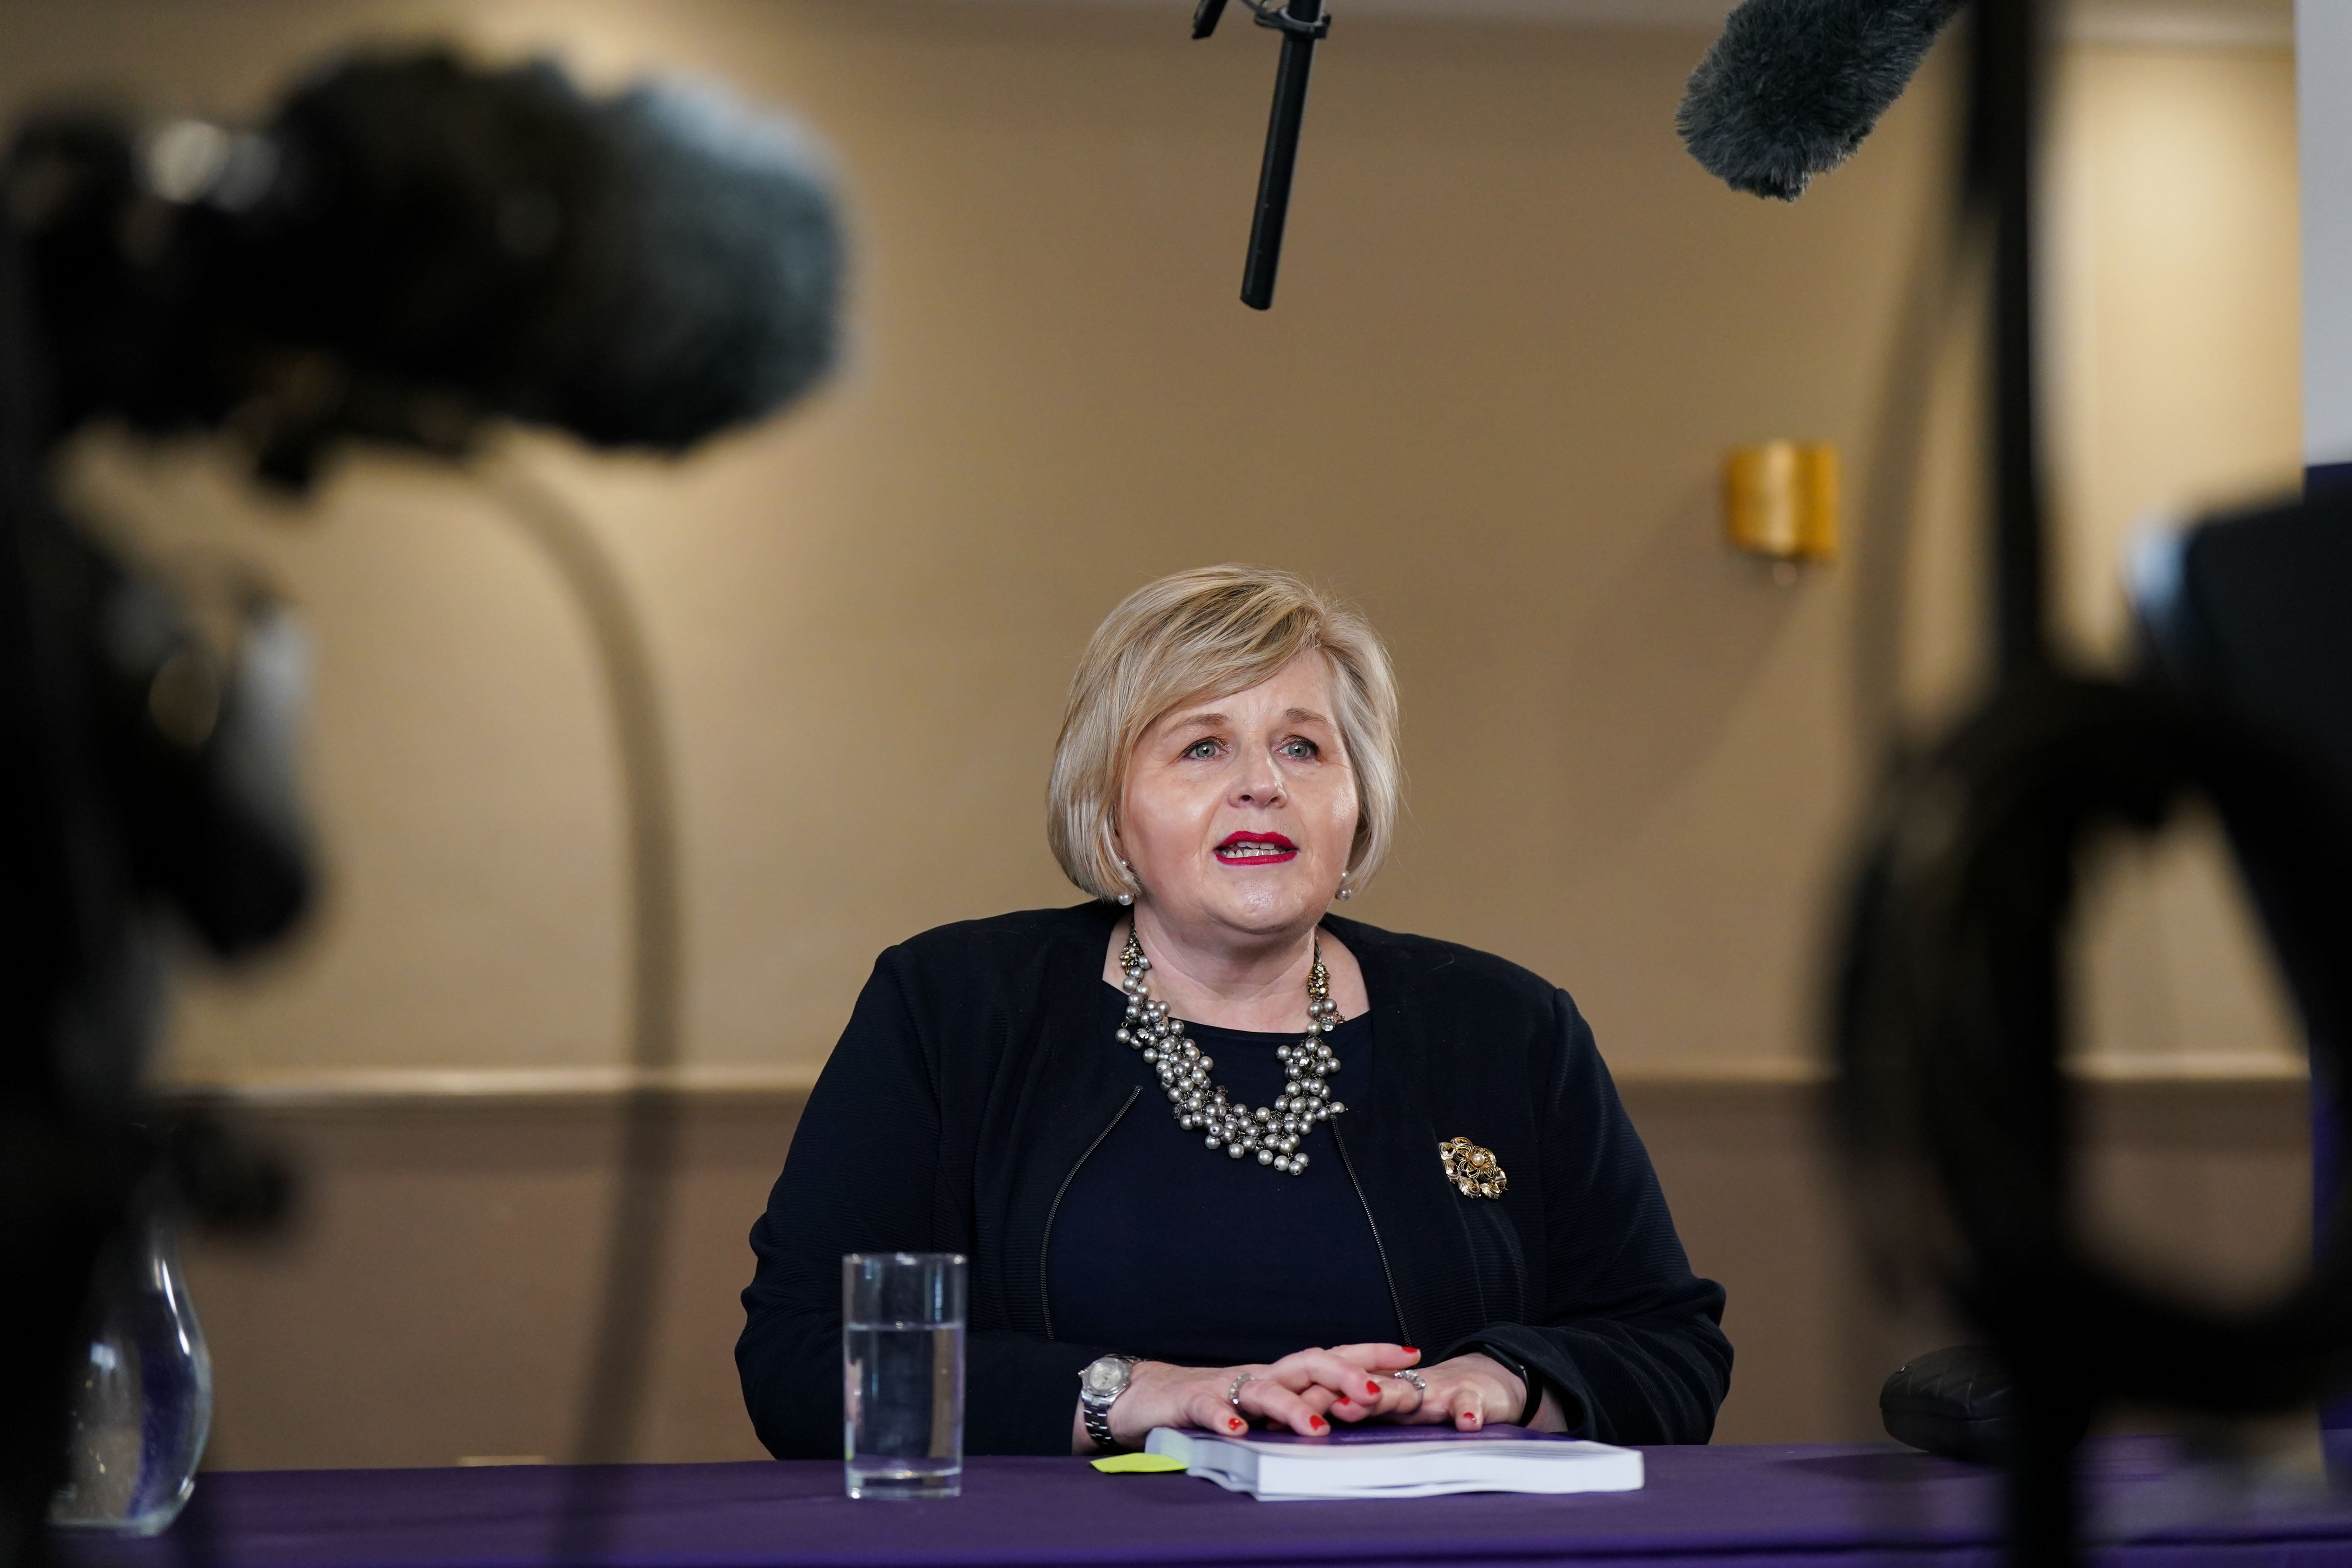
[1255, 849]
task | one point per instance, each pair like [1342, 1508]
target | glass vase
[142, 1399]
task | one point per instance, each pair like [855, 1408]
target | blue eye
[1202, 749]
[1295, 747]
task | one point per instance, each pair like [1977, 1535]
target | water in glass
[902, 1353]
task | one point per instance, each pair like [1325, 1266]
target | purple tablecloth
[1791, 1507]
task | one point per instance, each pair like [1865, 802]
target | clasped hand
[1307, 1390]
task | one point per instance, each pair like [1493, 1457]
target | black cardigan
[974, 1076]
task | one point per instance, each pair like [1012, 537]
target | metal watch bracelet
[1093, 1405]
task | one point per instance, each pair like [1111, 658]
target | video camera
[410, 248]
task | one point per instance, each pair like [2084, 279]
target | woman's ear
[1118, 855]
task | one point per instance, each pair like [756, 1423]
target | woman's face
[1239, 810]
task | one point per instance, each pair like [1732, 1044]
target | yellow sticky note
[1136, 1464]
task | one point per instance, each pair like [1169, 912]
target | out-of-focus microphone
[413, 244]
[1792, 87]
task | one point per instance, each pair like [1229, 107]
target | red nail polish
[1372, 1388]
[1343, 1399]
[1410, 1350]
[1316, 1421]
[1233, 1423]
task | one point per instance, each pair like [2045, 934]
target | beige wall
[2175, 309]
[2176, 378]
[428, 1306]
[1516, 327]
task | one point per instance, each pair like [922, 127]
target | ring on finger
[1419, 1383]
[1234, 1394]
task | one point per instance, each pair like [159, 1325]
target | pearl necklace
[1270, 1132]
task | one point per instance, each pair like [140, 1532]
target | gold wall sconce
[1780, 500]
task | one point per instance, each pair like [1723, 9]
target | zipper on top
[1395, 1301]
[1045, 1243]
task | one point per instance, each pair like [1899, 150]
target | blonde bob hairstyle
[1198, 635]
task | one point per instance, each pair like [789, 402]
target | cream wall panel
[1517, 328]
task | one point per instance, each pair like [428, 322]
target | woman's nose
[1259, 785]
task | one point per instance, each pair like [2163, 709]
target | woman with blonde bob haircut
[1218, 1156]
[1219, 628]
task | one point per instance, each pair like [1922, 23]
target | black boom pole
[1302, 25]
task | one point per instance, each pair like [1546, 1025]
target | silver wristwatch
[1099, 1386]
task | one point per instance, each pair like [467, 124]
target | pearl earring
[1346, 892]
[1127, 898]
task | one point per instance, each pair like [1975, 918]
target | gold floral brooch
[1472, 1170]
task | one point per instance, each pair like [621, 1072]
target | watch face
[1104, 1376]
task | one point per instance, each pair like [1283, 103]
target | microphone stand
[1302, 23]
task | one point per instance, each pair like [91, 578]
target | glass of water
[902, 1373]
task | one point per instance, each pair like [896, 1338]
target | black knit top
[1179, 1253]
[976, 1072]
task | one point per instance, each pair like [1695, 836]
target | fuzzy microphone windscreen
[642, 269]
[1792, 87]
[720, 270]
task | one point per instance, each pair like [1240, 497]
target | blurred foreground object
[1780, 500]
[414, 244]
[1959, 1118]
[411, 248]
[2246, 612]
[2252, 611]
[1952, 996]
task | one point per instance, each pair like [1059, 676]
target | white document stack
[1399, 1462]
